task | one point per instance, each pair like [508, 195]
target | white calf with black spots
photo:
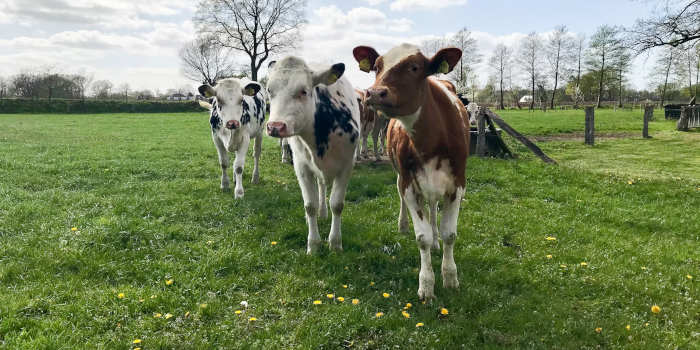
[318, 111]
[237, 116]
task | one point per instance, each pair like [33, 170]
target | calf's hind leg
[448, 230]
[256, 154]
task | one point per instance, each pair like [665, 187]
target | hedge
[12, 106]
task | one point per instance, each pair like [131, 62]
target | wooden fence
[690, 118]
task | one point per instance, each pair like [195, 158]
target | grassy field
[160, 255]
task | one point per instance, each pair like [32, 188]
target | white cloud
[374, 2]
[414, 5]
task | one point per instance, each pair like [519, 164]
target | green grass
[143, 192]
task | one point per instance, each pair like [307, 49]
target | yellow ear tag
[249, 92]
[364, 65]
[332, 78]
[444, 67]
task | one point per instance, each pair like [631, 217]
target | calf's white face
[228, 99]
[291, 90]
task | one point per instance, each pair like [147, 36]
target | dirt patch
[578, 136]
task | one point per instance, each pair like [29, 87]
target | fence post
[648, 115]
[481, 134]
[590, 126]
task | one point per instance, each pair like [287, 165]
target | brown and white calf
[428, 147]
[317, 110]
[367, 118]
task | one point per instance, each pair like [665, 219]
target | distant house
[526, 99]
[180, 97]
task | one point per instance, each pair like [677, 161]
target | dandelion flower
[244, 304]
[330, 296]
[252, 319]
[317, 302]
[203, 306]
[630, 182]
[341, 299]
[386, 295]
[345, 286]
[551, 238]
[74, 229]
[371, 283]
[120, 295]
[584, 264]
[379, 314]
[655, 309]
[187, 314]
[548, 256]
[355, 301]
[137, 348]
[563, 266]
[646, 324]
[444, 311]
[408, 306]
[168, 315]
[644, 267]
[419, 324]
[237, 312]
[153, 296]
[210, 242]
[169, 282]
[405, 314]
[598, 330]
[136, 341]
[689, 277]
[141, 300]
[157, 315]
[628, 327]
[273, 243]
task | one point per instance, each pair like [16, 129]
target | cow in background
[237, 115]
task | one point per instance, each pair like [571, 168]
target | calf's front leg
[448, 230]
[223, 162]
[256, 154]
[238, 166]
[424, 239]
[309, 191]
[340, 185]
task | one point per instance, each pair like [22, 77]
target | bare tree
[559, 51]
[257, 28]
[205, 61]
[662, 69]
[124, 89]
[82, 80]
[470, 57]
[622, 63]
[500, 63]
[102, 88]
[430, 47]
[4, 87]
[677, 23]
[605, 45]
[529, 59]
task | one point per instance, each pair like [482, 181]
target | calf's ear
[444, 61]
[251, 89]
[329, 76]
[365, 56]
[207, 91]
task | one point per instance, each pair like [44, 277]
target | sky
[137, 42]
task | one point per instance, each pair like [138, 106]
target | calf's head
[228, 95]
[401, 75]
[291, 85]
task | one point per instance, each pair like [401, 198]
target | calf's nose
[232, 124]
[377, 94]
[277, 129]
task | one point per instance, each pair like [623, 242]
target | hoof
[403, 227]
[450, 283]
[256, 179]
[239, 193]
[426, 295]
[225, 189]
[312, 247]
[335, 246]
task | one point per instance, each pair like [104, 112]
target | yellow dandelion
[330, 296]
[210, 242]
[121, 295]
[405, 314]
[168, 315]
[371, 283]
[630, 182]
[644, 267]
[598, 330]
[317, 302]
[341, 299]
[563, 266]
[74, 229]
[408, 306]
[141, 300]
[419, 324]
[345, 286]
[273, 243]
[551, 238]
[379, 314]
[646, 324]
[238, 312]
[386, 295]
[548, 256]
[355, 301]
[169, 282]
[203, 306]
[628, 327]
[655, 309]
[444, 311]
[153, 296]
[252, 319]
[157, 315]
[136, 341]
[689, 277]
[187, 314]
[584, 264]
[137, 348]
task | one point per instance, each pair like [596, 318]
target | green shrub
[15, 106]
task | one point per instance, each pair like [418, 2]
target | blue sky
[137, 41]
